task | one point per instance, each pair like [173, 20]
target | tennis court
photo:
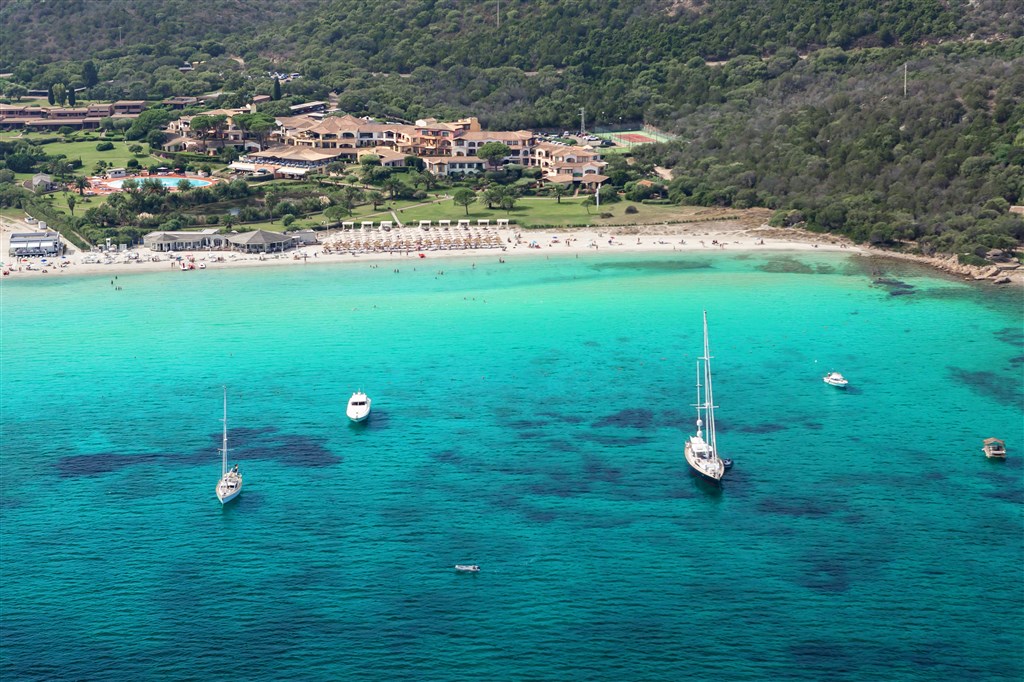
[631, 137]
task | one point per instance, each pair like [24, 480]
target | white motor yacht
[358, 409]
[835, 379]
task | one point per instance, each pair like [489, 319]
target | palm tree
[428, 179]
[392, 185]
[559, 191]
[81, 182]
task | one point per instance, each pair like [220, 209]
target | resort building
[449, 165]
[261, 241]
[181, 137]
[203, 240]
[180, 102]
[45, 243]
[285, 162]
[305, 144]
[53, 118]
[129, 106]
[566, 165]
[521, 142]
[257, 241]
[307, 108]
[41, 182]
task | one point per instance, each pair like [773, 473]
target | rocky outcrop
[1003, 273]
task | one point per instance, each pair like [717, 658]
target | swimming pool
[170, 181]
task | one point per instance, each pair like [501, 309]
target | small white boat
[467, 568]
[835, 379]
[230, 484]
[358, 409]
[994, 448]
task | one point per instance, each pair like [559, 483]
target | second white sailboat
[702, 447]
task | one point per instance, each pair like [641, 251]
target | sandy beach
[720, 235]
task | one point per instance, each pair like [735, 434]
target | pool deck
[102, 185]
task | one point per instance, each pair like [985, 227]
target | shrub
[971, 259]
[632, 209]
[104, 146]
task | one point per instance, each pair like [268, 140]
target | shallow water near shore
[528, 417]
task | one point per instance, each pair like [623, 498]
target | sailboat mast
[698, 403]
[709, 405]
[224, 442]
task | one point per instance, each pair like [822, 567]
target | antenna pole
[904, 79]
[583, 121]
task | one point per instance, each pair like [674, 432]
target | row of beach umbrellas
[407, 240]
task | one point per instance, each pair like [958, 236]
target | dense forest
[795, 105]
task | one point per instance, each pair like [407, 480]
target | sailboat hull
[228, 489]
[711, 470]
[227, 497]
[230, 496]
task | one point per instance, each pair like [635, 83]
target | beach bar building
[260, 241]
[205, 240]
[36, 244]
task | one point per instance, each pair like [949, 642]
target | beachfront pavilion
[260, 241]
[46, 243]
[204, 240]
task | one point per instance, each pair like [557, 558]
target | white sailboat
[702, 447]
[230, 484]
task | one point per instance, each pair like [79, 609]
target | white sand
[686, 237]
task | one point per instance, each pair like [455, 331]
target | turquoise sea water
[528, 417]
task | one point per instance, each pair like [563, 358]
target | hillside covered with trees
[795, 105]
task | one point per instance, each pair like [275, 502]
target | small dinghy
[467, 568]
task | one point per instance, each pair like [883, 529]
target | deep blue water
[528, 417]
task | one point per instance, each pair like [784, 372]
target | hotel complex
[308, 143]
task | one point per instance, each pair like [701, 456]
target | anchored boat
[702, 447]
[994, 448]
[835, 379]
[358, 409]
[230, 484]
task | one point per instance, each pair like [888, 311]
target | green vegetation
[796, 106]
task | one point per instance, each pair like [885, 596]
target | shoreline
[717, 236]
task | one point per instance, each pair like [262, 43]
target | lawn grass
[13, 135]
[82, 204]
[547, 212]
[533, 212]
[119, 156]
